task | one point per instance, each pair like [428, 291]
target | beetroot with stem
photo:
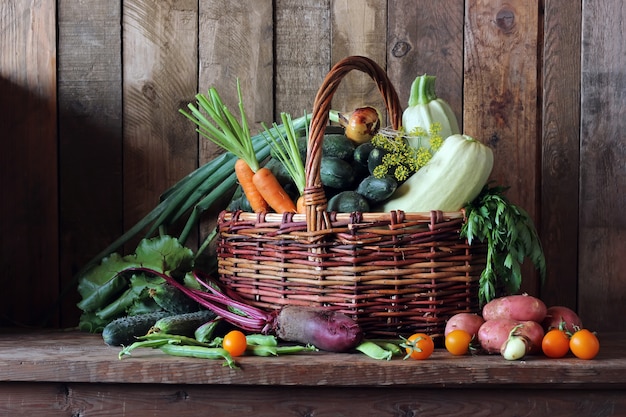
[326, 329]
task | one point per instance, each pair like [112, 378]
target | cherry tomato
[419, 346]
[584, 344]
[235, 343]
[458, 342]
[555, 343]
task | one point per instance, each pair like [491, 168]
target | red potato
[557, 314]
[470, 322]
[515, 307]
[493, 333]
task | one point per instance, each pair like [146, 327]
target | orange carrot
[245, 177]
[300, 205]
[273, 193]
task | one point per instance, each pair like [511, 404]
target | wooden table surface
[73, 370]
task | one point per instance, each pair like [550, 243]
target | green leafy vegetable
[510, 235]
[107, 292]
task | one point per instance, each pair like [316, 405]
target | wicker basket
[395, 273]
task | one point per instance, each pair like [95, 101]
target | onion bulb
[361, 125]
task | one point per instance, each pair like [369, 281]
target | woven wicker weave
[395, 273]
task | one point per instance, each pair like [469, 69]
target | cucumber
[375, 158]
[173, 300]
[348, 202]
[124, 330]
[183, 324]
[336, 173]
[338, 146]
[377, 189]
[362, 152]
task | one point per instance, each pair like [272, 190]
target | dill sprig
[406, 152]
[510, 235]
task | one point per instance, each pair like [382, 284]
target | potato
[515, 307]
[556, 314]
[470, 322]
[493, 333]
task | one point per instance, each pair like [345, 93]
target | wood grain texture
[29, 251]
[70, 373]
[103, 400]
[560, 150]
[302, 42]
[356, 30]
[226, 54]
[427, 37]
[602, 164]
[500, 98]
[90, 136]
[160, 49]
[70, 356]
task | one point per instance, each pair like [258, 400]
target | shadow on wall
[61, 203]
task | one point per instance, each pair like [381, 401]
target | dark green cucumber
[336, 173]
[348, 202]
[183, 324]
[362, 152]
[377, 189]
[338, 146]
[125, 330]
[172, 299]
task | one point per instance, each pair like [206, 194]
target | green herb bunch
[510, 235]
[406, 152]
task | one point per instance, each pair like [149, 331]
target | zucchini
[377, 189]
[336, 173]
[454, 176]
[124, 330]
[348, 202]
[183, 324]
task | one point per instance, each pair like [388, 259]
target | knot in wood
[505, 19]
[400, 49]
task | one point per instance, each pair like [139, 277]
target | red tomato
[458, 342]
[235, 343]
[555, 343]
[419, 346]
[584, 344]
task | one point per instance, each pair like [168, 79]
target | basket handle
[315, 201]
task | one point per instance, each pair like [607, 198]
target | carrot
[245, 177]
[285, 149]
[271, 190]
[300, 208]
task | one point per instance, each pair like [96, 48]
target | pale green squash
[453, 177]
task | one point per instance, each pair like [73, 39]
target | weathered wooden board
[560, 115]
[302, 42]
[160, 54]
[425, 37]
[50, 374]
[500, 97]
[29, 200]
[601, 260]
[90, 134]
[103, 400]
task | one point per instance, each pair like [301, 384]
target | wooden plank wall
[91, 135]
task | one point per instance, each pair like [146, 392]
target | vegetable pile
[519, 325]
[161, 295]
